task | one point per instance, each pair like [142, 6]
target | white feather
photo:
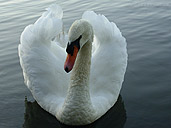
[42, 61]
[109, 61]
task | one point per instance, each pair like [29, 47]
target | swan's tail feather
[104, 30]
[45, 29]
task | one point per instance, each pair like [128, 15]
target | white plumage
[42, 56]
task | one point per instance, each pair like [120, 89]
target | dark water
[36, 117]
[145, 100]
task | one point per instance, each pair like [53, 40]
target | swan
[75, 77]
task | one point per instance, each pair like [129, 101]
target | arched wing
[42, 60]
[109, 61]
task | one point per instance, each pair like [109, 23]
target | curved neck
[81, 70]
[78, 101]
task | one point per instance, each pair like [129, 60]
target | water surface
[146, 91]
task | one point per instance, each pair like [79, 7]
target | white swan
[93, 86]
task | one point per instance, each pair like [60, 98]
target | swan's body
[93, 86]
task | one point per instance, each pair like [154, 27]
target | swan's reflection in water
[36, 117]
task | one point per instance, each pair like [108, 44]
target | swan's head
[79, 33]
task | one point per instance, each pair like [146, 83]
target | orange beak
[70, 60]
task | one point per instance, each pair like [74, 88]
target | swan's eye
[70, 46]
